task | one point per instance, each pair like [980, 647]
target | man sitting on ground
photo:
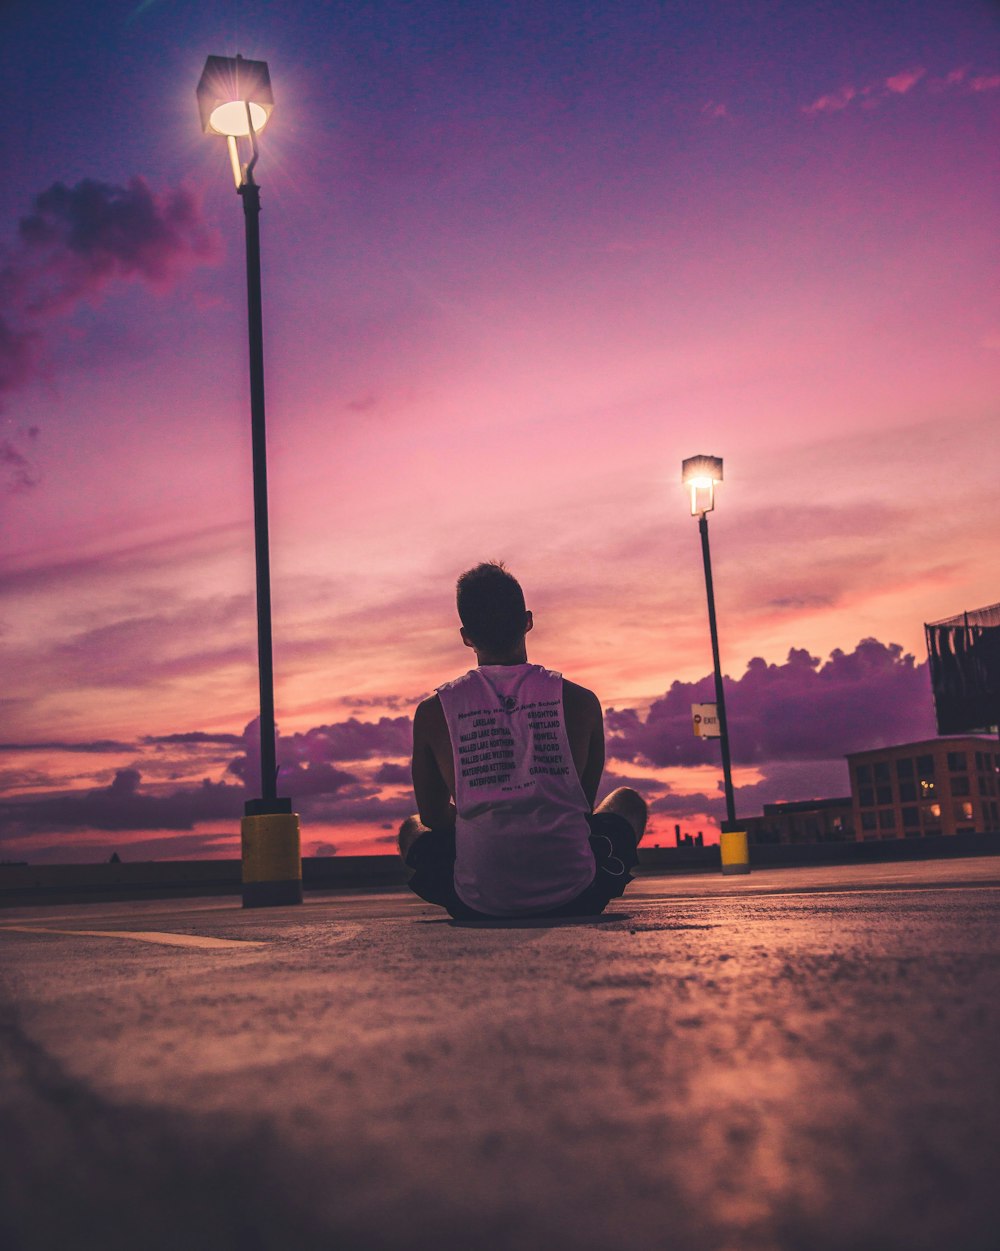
[506, 764]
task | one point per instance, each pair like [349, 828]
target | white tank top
[521, 834]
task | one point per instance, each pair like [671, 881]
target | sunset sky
[519, 260]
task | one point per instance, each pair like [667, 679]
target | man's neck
[519, 657]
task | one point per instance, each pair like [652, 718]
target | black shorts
[612, 840]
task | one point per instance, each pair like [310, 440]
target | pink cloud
[952, 79]
[832, 102]
[899, 84]
[714, 110]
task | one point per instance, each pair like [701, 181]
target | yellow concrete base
[734, 851]
[272, 859]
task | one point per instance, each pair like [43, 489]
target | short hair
[491, 606]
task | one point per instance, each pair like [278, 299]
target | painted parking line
[143, 936]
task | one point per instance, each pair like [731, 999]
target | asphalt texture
[801, 1058]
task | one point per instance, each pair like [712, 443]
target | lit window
[932, 812]
[927, 788]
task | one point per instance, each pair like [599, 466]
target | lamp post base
[733, 849]
[272, 859]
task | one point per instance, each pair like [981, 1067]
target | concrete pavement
[803, 1058]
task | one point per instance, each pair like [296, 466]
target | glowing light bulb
[231, 118]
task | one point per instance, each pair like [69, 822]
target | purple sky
[519, 261]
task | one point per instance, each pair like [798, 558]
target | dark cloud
[321, 849]
[363, 807]
[77, 239]
[17, 470]
[695, 805]
[317, 778]
[322, 790]
[73, 243]
[792, 722]
[94, 745]
[389, 774]
[350, 740]
[801, 710]
[306, 759]
[194, 738]
[123, 806]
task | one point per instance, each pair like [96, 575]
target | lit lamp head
[701, 473]
[235, 100]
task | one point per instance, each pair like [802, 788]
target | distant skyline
[519, 261]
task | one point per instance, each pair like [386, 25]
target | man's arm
[431, 750]
[585, 728]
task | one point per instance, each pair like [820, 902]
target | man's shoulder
[429, 726]
[579, 701]
[428, 709]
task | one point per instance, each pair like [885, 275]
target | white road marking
[143, 936]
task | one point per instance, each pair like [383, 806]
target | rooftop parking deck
[802, 1058]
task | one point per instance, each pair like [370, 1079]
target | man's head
[491, 609]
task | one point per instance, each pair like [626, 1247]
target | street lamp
[700, 474]
[235, 100]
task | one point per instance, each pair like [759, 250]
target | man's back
[521, 830]
[506, 764]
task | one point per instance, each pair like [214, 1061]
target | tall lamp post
[700, 474]
[235, 100]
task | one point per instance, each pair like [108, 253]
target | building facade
[804, 821]
[938, 786]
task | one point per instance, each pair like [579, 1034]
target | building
[913, 790]
[804, 821]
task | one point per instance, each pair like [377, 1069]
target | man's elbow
[437, 816]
